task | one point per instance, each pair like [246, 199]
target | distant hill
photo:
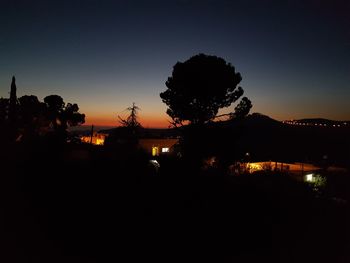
[88, 128]
[146, 132]
[267, 139]
[261, 120]
[305, 140]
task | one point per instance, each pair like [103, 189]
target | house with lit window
[155, 142]
[158, 146]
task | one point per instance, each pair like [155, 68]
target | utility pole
[302, 169]
[92, 133]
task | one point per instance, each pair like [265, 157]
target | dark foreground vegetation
[73, 202]
[108, 206]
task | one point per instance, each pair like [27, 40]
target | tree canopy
[199, 87]
[31, 113]
[61, 115]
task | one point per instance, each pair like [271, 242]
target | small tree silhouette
[131, 121]
[127, 134]
[13, 105]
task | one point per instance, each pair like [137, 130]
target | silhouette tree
[71, 116]
[13, 104]
[54, 109]
[199, 87]
[125, 137]
[61, 116]
[9, 114]
[242, 109]
[27, 115]
[31, 114]
[131, 121]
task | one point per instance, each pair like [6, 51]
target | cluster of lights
[253, 167]
[96, 139]
[314, 124]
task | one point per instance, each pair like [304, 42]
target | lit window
[165, 150]
[309, 177]
[154, 151]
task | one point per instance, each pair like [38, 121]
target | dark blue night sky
[294, 56]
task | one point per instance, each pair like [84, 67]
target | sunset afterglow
[106, 56]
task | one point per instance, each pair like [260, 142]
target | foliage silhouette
[4, 104]
[9, 114]
[126, 136]
[242, 109]
[199, 87]
[31, 113]
[61, 115]
[13, 105]
[131, 121]
[26, 117]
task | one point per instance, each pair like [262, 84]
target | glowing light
[96, 139]
[100, 141]
[155, 151]
[154, 163]
[165, 150]
[253, 167]
[309, 177]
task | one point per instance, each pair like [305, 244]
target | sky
[294, 56]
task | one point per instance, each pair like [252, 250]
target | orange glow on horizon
[147, 122]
